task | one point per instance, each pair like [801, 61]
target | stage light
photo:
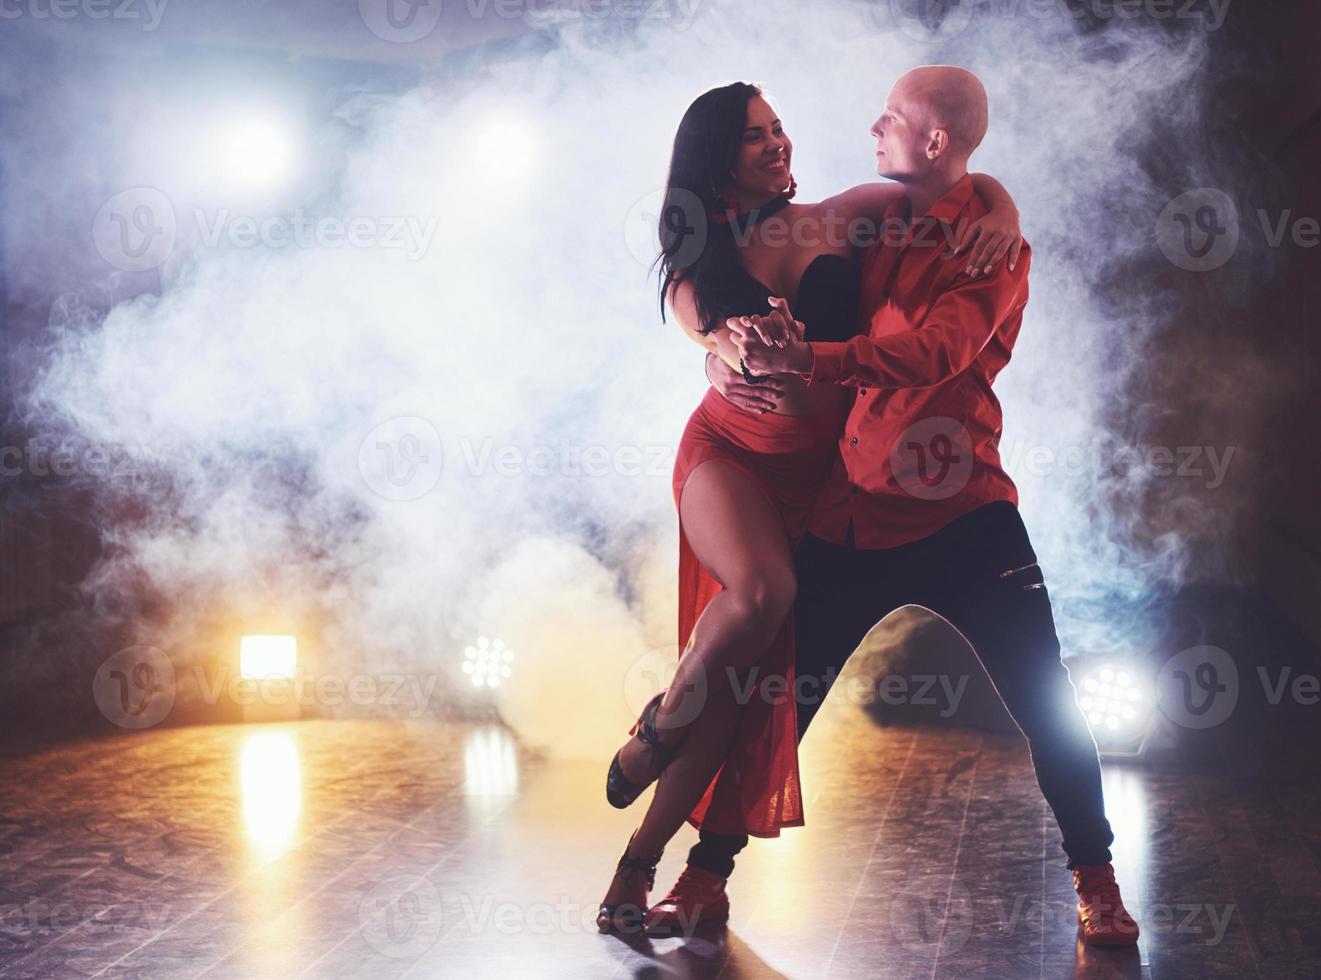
[257, 152]
[489, 663]
[247, 152]
[264, 657]
[503, 149]
[1118, 706]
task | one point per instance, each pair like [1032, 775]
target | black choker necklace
[749, 218]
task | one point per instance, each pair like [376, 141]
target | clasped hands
[771, 344]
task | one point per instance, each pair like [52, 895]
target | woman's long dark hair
[693, 247]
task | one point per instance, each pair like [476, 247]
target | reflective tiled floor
[381, 849]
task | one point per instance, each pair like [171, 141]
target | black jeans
[979, 572]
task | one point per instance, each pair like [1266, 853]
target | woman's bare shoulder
[869, 200]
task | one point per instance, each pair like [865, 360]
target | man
[919, 509]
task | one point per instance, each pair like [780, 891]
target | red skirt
[788, 458]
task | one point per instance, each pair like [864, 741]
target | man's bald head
[933, 120]
[948, 98]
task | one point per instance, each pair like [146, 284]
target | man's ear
[938, 145]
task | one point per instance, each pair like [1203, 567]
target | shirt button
[862, 391]
[853, 441]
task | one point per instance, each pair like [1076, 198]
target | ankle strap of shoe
[647, 865]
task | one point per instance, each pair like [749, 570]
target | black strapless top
[828, 296]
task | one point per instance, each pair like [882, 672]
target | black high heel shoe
[608, 916]
[619, 789]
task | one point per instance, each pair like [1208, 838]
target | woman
[725, 731]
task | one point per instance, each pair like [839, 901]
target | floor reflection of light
[490, 763]
[788, 857]
[272, 791]
[1127, 809]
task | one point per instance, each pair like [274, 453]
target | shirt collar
[945, 210]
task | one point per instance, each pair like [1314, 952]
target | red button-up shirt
[920, 447]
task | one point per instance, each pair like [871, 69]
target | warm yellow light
[262, 657]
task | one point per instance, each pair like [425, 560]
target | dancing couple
[844, 464]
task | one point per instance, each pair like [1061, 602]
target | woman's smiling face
[765, 155]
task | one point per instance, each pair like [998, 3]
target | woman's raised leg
[739, 538]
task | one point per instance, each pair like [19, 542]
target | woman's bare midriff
[800, 398]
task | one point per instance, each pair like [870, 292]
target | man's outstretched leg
[996, 596]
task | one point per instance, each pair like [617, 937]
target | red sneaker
[697, 897]
[1101, 912]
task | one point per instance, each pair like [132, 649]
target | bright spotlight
[251, 152]
[264, 657]
[503, 148]
[257, 152]
[488, 663]
[1117, 708]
